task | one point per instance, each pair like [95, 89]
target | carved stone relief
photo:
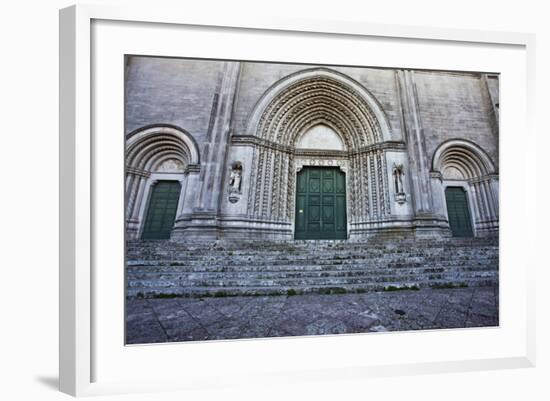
[398, 174]
[341, 163]
[279, 154]
[235, 182]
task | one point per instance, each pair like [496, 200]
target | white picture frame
[82, 330]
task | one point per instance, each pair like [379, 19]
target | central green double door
[321, 203]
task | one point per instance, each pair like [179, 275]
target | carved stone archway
[156, 153]
[299, 103]
[464, 164]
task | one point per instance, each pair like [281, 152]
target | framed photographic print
[268, 199]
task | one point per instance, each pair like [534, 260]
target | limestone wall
[170, 91]
[213, 101]
[455, 106]
[181, 92]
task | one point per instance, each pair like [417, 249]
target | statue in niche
[398, 172]
[235, 182]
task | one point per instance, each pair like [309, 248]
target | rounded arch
[319, 96]
[460, 159]
[149, 147]
[155, 152]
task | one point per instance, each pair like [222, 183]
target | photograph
[275, 199]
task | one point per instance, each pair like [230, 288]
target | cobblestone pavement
[192, 319]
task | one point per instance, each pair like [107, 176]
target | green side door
[321, 204]
[161, 211]
[458, 212]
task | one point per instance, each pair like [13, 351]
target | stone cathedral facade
[245, 150]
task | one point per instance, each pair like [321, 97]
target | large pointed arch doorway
[322, 122]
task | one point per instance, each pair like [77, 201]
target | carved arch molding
[154, 150]
[457, 161]
[295, 105]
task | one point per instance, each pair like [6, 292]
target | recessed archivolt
[287, 111]
[149, 148]
[312, 99]
[319, 96]
[458, 159]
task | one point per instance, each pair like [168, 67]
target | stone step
[165, 268]
[304, 263]
[319, 253]
[290, 249]
[261, 267]
[262, 278]
[309, 243]
[286, 290]
[299, 270]
[309, 255]
[316, 254]
[300, 246]
[305, 280]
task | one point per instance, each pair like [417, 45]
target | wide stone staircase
[169, 269]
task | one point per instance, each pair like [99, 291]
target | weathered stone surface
[225, 268]
[171, 320]
[235, 135]
[254, 115]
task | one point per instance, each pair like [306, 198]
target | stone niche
[235, 182]
[236, 189]
[399, 186]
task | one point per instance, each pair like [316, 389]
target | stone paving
[198, 319]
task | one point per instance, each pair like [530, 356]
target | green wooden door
[458, 212]
[161, 211]
[321, 204]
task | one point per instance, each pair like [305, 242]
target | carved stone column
[217, 142]
[419, 162]
[135, 184]
[188, 198]
[438, 197]
[493, 103]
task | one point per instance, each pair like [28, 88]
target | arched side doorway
[318, 118]
[161, 210]
[159, 163]
[458, 212]
[466, 179]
